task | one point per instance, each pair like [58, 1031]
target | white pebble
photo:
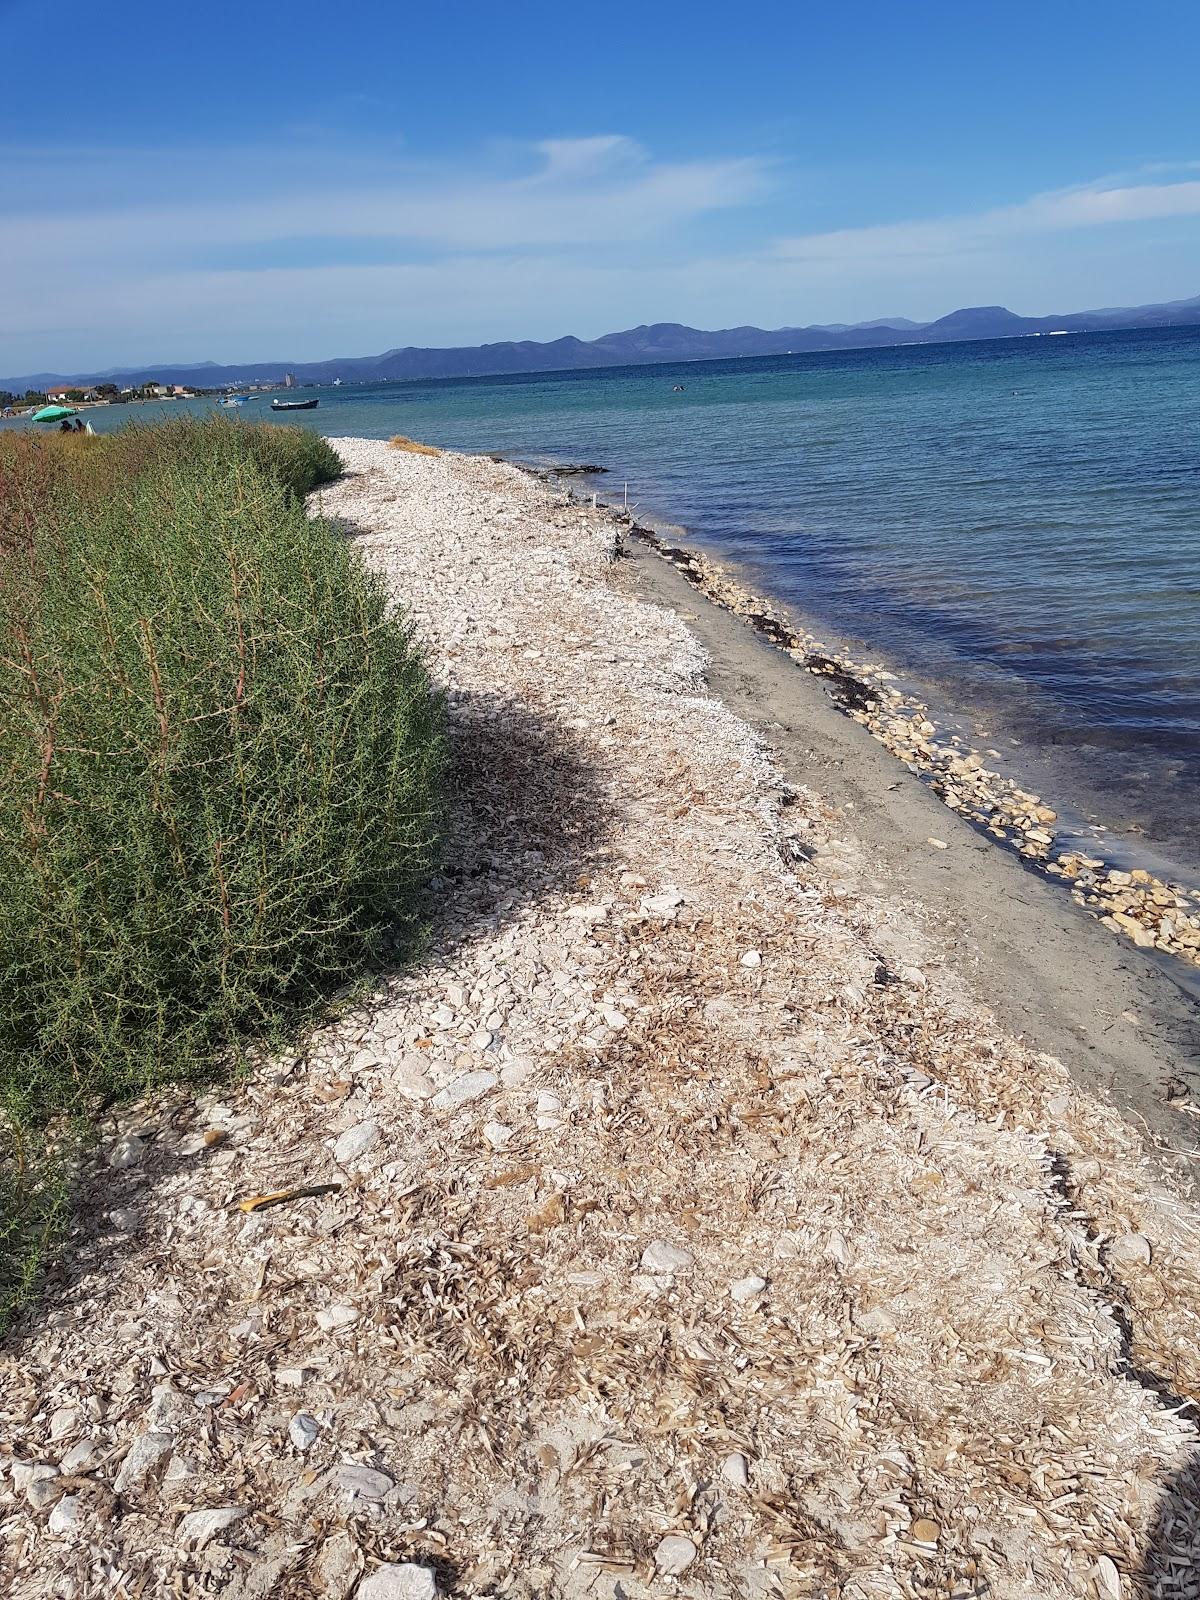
[303, 1430]
[356, 1141]
[674, 1555]
[662, 1257]
[334, 1317]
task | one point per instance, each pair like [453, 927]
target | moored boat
[294, 405]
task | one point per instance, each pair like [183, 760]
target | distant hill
[657, 342]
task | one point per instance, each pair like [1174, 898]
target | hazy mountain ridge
[647, 344]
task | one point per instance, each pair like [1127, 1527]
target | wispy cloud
[1104, 202]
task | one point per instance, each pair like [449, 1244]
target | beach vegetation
[220, 774]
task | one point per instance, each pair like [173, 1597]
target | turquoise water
[1014, 524]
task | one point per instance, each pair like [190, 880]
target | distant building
[60, 391]
[289, 380]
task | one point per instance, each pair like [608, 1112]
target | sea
[1011, 525]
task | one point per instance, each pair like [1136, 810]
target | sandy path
[678, 1202]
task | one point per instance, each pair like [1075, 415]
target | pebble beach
[681, 1225]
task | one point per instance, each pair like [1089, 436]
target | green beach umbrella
[53, 413]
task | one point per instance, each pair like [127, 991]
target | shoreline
[683, 1222]
[1155, 908]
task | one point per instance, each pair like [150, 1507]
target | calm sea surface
[1013, 524]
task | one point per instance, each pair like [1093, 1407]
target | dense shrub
[220, 757]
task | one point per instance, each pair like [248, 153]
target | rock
[1108, 1578]
[124, 1219]
[80, 1456]
[925, 1531]
[735, 1469]
[293, 1377]
[398, 1580]
[362, 1483]
[463, 1090]
[410, 1079]
[43, 1492]
[674, 1555]
[751, 958]
[663, 1257]
[145, 1455]
[497, 1134]
[303, 1430]
[746, 1289]
[662, 905]
[26, 1472]
[356, 1141]
[127, 1152]
[839, 1249]
[587, 913]
[64, 1421]
[515, 1072]
[1131, 1249]
[336, 1566]
[198, 1527]
[66, 1515]
[938, 844]
[614, 1018]
[482, 1040]
[334, 1317]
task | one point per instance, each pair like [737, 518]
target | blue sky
[299, 180]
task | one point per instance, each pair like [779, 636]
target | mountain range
[657, 342]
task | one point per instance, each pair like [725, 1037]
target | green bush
[220, 759]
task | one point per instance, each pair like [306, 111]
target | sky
[288, 179]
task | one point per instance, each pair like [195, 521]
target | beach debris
[412, 446]
[930, 1201]
[279, 1197]
[1151, 912]
[745, 1289]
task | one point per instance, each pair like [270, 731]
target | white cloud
[1089, 205]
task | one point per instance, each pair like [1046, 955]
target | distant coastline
[648, 344]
